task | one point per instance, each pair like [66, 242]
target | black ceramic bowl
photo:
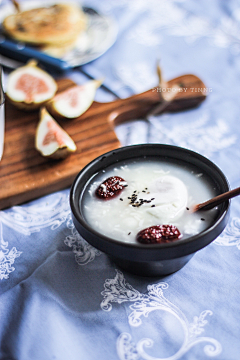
[154, 259]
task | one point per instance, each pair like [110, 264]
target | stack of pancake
[54, 29]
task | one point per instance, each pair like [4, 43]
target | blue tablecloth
[63, 299]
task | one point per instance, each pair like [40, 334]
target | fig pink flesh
[31, 85]
[54, 134]
[71, 96]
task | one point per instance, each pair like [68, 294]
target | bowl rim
[75, 208]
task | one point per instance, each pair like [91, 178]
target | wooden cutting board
[26, 175]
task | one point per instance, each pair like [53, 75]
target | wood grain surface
[26, 175]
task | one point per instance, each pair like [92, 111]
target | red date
[111, 187]
[158, 234]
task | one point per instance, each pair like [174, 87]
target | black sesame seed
[202, 219]
[187, 208]
[153, 205]
[121, 199]
[129, 233]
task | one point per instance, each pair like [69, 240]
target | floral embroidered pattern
[136, 78]
[176, 20]
[84, 252]
[7, 257]
[51, 211]
[231, 235]
[196, 327]
[197, 135]
[118, 291]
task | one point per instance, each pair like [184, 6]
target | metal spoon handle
[207, 205]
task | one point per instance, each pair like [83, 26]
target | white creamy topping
[170, 198]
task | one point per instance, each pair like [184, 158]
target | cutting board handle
[193, 92]
[26, 175]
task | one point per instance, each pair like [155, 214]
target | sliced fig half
[74, 101]
[51, 140]
[29, 87]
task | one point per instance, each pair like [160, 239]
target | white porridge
[154, 193]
